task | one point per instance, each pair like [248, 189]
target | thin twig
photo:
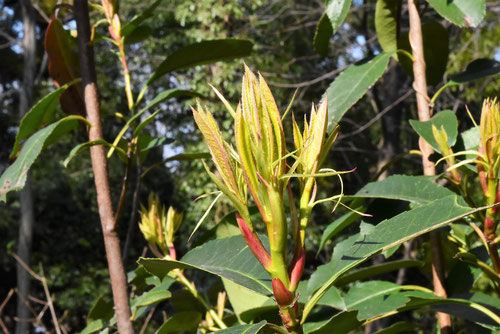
[49, 300]
[147, 320]
[6, 300]
[28, 269]
[135, 203]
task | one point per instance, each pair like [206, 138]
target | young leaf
[461, 12]
[387, 15]
[322, 35]
[228, 258]
[14, 176]
[201, 53]
[337, 10]
[64, 65]
[351, 85]
[445, 119]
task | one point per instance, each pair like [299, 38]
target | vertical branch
[99, 167]
[424, 114]
[26, 198]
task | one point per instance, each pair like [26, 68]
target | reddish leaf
[64, 66]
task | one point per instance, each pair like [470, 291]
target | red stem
[254, 243]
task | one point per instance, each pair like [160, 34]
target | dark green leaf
[170, 94]
[351, 85]
[322, 35]
[415, 189]
[93, 326]
[341, 323]
[446, 120]
[477, 69]
[102, 309]
[201, 53]
[136, 21]
[148, 298]
[180, 322]
[461, 12]
[337, 226]
[387, 15]
[244, 329]
[15, 176]
[40, 114]
[389, 233]
[398, 327]
[375, 270]
[435, 39]
[82, 147]
[228, 258]
[337, 11]
[374, 298]
[139, 34]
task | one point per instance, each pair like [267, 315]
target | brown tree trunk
[26, 199]
[99, 167]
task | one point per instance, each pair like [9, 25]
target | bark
[99, 166]
[26, 199]
[424, 114]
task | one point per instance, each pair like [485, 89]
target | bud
[282, 295]
[158, 226]
[490, 131]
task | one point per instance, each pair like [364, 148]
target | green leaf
[83, 146]
[461, 12]
[322, 35]
[228, 258]
[14, 176]
[144, 123]
[93, 326]
[148, 298]
[40, 114]
[337, 11]
[376, 270]
[477, 69]
[246, 303]
[389, 233]
[387, 15]
[180, 322]
[201, 53]
[139, 34]
[351, 85]
[244, 329]
[100, 313]
[444, 119]
[398, 327]
[170, 94]
[416, 189]
[136, 21]
[341, 323]
[435, 39]
[336, 227]
[374, 298]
